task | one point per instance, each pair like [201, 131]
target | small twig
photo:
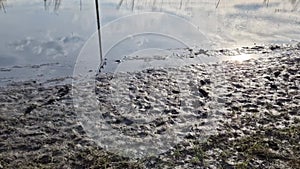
[296, 6]
[120, 4]
[267, 2]
[80, 5]
[218, 3]
[132, 7]
[2, 6]
[180, 6]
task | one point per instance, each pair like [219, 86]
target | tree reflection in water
[154, 4]
[179, 4]
[55, 3]
[295, 4]
[2, 5]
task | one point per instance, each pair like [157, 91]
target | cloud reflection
[48, 48]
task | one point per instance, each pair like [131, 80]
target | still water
[42, 39]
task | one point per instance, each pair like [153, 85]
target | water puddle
[40, 32]
[241, 58]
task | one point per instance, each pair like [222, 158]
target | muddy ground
[257, 126]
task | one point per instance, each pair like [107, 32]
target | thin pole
[99, 32]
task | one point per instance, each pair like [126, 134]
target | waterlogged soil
[238, 114]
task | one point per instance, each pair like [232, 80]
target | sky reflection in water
[51, 33]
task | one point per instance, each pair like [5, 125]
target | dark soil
[258, 128]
